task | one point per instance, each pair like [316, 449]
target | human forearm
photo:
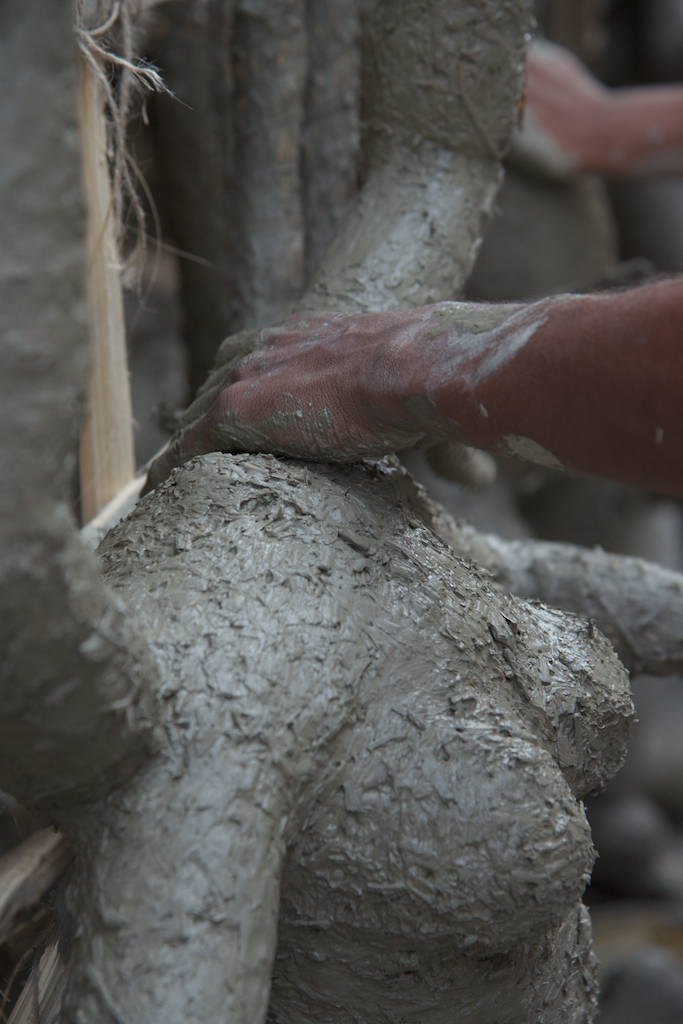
[639, 131]
[585, 126]
[589, 383]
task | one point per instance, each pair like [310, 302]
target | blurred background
[245, 175]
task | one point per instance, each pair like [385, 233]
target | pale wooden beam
[42, 996]
[27, 872]
[107, 460]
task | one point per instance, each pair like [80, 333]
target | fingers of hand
[462, 464]
[233, 348]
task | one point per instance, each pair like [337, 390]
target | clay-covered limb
[440, 95]
[412, 235]
[412, 741]
[638, 605]
[193, 135]
[330, 386]
[176, 888]
[75, 671]
[270, 70]
[247, 403]
[506, 378]
[331, 132]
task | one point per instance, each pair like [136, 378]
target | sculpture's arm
[636, 604]
[590, 383]
[186, 881]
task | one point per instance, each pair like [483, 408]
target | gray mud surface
[366, 740]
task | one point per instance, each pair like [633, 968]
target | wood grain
[106, 456]
[27, 872]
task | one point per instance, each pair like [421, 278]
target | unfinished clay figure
[315, 766]
[366, 742]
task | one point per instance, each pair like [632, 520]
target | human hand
[566, 110]
[318, 386]
[573, 123]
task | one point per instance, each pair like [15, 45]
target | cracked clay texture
[366, 741]
[441, 87]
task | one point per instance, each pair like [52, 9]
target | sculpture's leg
[440, 95]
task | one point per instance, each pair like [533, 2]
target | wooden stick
[41, 998]
[27, 872]
[106, 460]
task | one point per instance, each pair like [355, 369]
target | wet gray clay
[315, 765]
[372, 778]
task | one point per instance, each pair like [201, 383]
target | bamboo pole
[106, 457]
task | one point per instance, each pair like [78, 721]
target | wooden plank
[42, 996]
[107, 460]
[28, 871]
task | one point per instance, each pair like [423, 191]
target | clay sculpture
[315, 766]
[371, 776]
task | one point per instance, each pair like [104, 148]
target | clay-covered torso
[427, 731]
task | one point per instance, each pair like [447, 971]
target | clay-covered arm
[635, 130]
[638, 605]
[590, 383]
[194, 939]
